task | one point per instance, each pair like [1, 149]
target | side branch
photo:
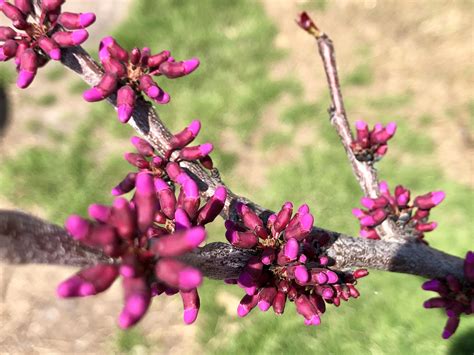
[365, 173]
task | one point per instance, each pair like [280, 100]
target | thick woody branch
[365, 172]
[27, 239]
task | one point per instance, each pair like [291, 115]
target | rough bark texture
[27, 239]
[20, 234]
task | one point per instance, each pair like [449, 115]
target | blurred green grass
[229, 92]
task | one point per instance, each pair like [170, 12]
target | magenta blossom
[371, 145]
[455, 296]
[39, 36]
[288, 264]
[412, 217]
[145, 238]
[131, 73]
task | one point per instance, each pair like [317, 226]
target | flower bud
[279, 303]
[70, 39]
[100, 213]
[426, 227]
[191, 197]
[435, 285]
[150, 87]
[301, 229]
[105, 88]
[369, 233]
[28, 68]
[191, 305]
[266, 297]
[142, 146]
[291, 249]
[178, 275]
[166, 197]
[50, 47]
[182, 220]
[359, 273]
[25, 6]
[137, 160]
[7, 33]
[14, 14]
[429, 200]
[179, 243]
[123, 218]
[268, 256]
[126, 185]
[137, 301]
[283, 217]
[88, 281]
[125, 103]
[145, 200]
[10, 48]
[307, 310]
[247, 304]
[51, 5]
[115, 50]
[186, 136]
[73, 21]
[213, 207]
[451, 326]
[156, 60]
[177, 69]
[317, 302]
[252, 221]
[469, 266]
[362, 133]
[196, 152]
[246, 240]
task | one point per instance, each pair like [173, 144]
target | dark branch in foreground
[25, 239]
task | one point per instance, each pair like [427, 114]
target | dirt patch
[35, 321]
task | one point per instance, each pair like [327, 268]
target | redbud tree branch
[20, 234]
[365, 172]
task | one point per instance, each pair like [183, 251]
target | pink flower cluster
[38, 37]
[288, 265]
[456, 297]
[371, 145]
[412, 217]
[146, 159]
[145, 238]
[129, 74]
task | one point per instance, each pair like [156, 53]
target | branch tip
[307, 24]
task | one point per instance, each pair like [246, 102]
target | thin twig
[365, 173]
